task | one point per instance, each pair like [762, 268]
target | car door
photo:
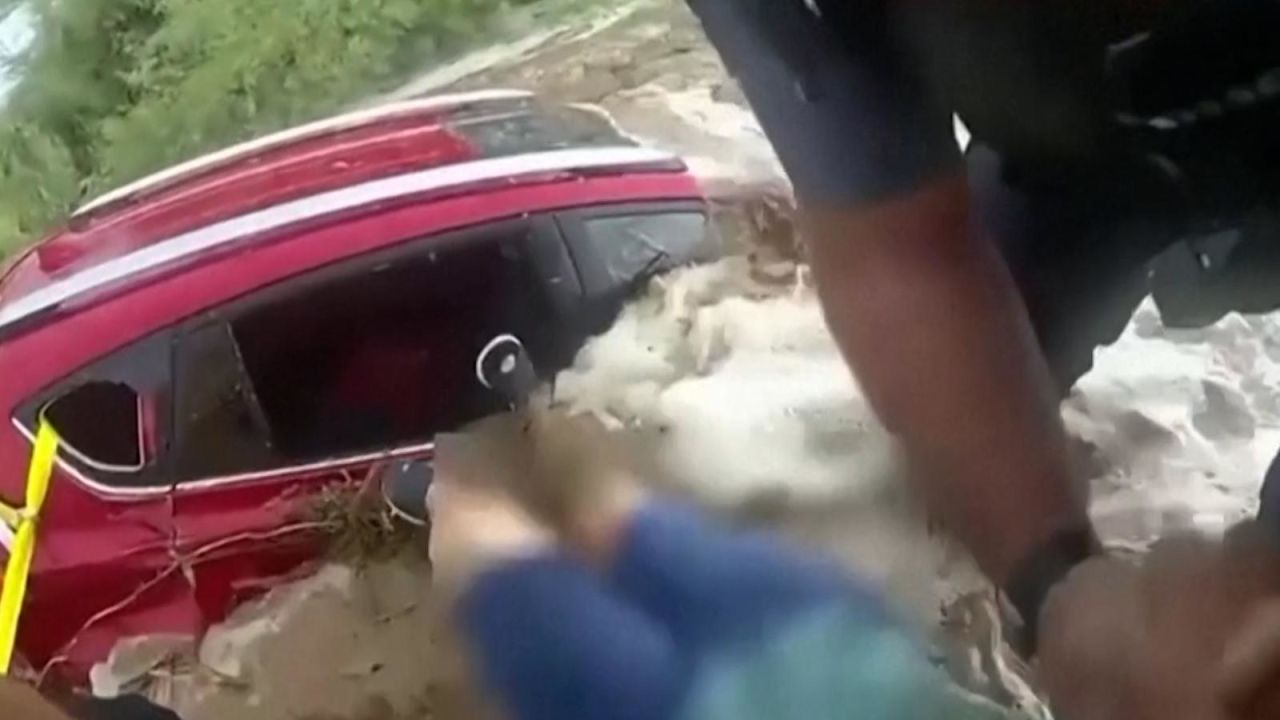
[104, 551]
[242, 512]
[249, 502]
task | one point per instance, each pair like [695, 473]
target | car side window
[356, 359]
[101, 422]
[112, 416]
[632, 245]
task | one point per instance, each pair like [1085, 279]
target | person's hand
[1154, 639]
[475, 528]
[1251, 668]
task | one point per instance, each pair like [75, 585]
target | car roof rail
[220, 158]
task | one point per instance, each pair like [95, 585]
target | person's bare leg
[924, 310]
[18, 700]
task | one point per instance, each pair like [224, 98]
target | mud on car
[216, 343]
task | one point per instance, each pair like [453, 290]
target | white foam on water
[1186, 422]
[752, 399]
[739, 395]
[744, 385]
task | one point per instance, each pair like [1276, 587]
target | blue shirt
[699, 624]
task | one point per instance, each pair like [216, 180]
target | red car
[218, 341]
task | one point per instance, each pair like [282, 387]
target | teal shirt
[826, 665]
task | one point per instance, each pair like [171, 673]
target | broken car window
[112, 415]
[102, 424]
[353, 360]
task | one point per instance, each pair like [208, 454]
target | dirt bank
[648, 64]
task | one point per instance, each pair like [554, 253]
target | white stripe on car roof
[296, 134]
[318, 205]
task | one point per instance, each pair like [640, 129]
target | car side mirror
[505, 367]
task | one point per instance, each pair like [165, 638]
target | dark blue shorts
[852, 126]
[846, 121]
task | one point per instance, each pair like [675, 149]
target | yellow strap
[14, 590]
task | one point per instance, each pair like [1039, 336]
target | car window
[101, 423]
[631, 245]
[111, 415]
[374, 355]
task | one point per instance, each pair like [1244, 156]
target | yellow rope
[14, 590]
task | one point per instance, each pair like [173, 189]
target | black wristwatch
[1047, 565]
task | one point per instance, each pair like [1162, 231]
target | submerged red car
[217, 342]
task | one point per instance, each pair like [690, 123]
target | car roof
[335, 166]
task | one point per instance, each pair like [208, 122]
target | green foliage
[38, 182]
[114, 89]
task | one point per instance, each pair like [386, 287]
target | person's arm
[924, 310]
[19, 700]
[918, 300]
